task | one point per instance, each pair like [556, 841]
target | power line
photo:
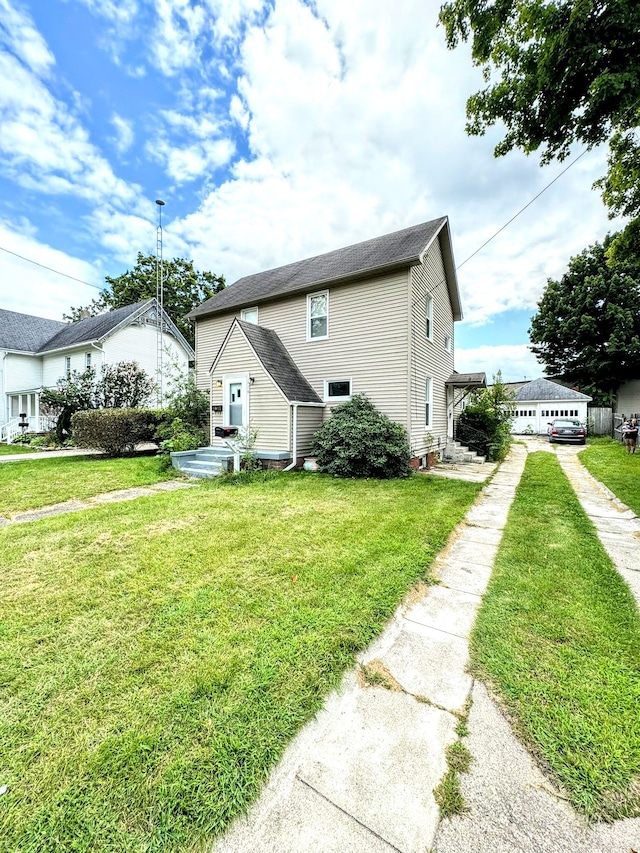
[51, 269]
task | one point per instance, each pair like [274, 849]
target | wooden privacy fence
[600, 421]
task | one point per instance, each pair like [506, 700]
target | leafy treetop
[559, 72]
[587, 329]
[183, 289]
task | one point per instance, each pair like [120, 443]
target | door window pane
[235, 404]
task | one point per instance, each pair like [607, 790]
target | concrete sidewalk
[360, 777]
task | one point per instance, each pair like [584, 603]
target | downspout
[294, 437]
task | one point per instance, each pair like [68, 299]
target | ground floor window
[337, 389]
[428, 402]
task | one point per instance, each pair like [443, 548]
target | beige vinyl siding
[269, 412]
[429, 358]
[309, 421]
[367, 342]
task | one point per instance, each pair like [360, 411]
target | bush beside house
[359, 441]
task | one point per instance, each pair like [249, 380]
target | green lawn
[11, 449]
[34, 483]
[157, 656]
[610, 463]
[558, 636]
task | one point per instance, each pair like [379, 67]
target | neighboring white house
[278, 349]
[36, 352]
[628, 398]
[539, 402]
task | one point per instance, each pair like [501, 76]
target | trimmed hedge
[114, 431]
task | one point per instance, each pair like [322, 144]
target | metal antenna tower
[160, 301]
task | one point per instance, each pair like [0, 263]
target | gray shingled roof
[467, 379]
[93, 328]
[543, 389]
[391, 251]
[25, 333]
[278, 363]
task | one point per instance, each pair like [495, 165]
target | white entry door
[236, 408]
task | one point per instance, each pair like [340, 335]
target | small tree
[359, 441]
[72, 393]
[124, 385]
[485, 424]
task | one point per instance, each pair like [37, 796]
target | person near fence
[630, 435]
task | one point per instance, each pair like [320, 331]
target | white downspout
[294, 437]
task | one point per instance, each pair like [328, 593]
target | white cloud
[18, 34]
[44, 147]
[28, 288]
[124, 133]
[515, 362]
[191, 161]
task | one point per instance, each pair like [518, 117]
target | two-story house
[36, 352]
[278, 349]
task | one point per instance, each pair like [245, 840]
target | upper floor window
[428, 304]
[249, 315]
[67, 365]
[87, 359]
[447, 343]
[318, 316]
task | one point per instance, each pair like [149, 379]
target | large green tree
[184, 288]
[587, 329]
[558, 72]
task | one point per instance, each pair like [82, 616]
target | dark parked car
[567, 429]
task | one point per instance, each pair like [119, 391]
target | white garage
[539, 402]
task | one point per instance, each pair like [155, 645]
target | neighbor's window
[428, 408]
[87, 359]
[318, 316]
[67, 365]
[428, 304]
[337, 389]
[249, 315]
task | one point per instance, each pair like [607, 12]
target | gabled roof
[44, 336]
[543, 389]
[24, 333]
[401, 249]
[276, 360]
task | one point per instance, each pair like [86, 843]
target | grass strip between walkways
[35, 483]
[558, 637]
[608, 461]
[157, 656]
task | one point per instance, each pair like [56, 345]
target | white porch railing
[37, 423]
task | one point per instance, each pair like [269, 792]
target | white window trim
[428, 401]
[448, 343]
[329, 399]
[428, 319]
[310, 296]
[230, 379]
[246, 311]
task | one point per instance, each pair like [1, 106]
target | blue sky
[273, 131]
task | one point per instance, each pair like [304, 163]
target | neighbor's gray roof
[93, 328]
[278, 363]
[543, 389]
[381, 254]
[25, 333]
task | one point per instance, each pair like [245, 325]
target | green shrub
[115, 431]
[485, 423]
[176, 436]
[359, 441]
